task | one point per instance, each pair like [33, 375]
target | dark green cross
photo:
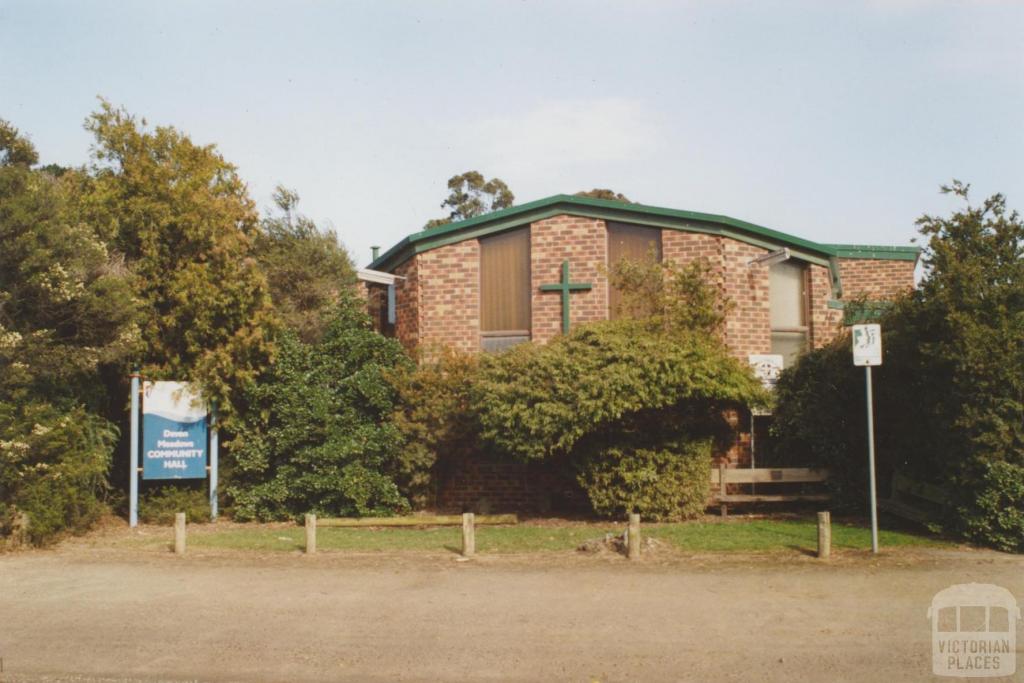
[565, 286]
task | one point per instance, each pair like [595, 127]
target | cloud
[568, 132]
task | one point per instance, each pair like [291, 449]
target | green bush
[948, 396]
[995, 516]
[53, 467]
[663, 484]
[159, 505]
[316, 434]
[436, 418]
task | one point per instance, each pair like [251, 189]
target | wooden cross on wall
[566, 286]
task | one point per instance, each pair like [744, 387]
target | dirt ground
[89, 611]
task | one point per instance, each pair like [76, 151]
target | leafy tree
[471, 195]
[306, 267]
[15, 148]
[604, 193]
[183, 219]
[632, 404]
[67, 309]
[317, 436]
[950, 393]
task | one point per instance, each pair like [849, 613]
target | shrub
[995, 516]
[948, 397]
[435, 416]
[316, 435]
[663, 484]
[541, 401]
[53, 466]
[159, 505]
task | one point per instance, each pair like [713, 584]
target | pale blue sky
[835, 121]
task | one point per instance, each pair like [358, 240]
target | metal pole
[214, 458]
[133, 458]
[871, 461]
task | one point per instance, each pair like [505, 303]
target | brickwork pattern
[825, 323]
[748, 326]
[407, 304]
[584, 243]
[449, 305]
[875, 279]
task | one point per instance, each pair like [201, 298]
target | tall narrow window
[788, 300]
[505, 289]
[634, 243]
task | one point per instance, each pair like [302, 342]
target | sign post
[133, 458]
[214, 457]
[867, 351]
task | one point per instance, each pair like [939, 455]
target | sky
[834, 121]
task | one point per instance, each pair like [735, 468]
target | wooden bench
[917, 501]
[722, 477]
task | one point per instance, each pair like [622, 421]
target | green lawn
[735, 535]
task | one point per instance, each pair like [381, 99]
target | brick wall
[584, 243]
[486, 485]
[449, 304]
[875, 279]
[748, 326]
[824, 322]
[407, 304]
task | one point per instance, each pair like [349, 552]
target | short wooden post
[468, 535]
[310, 534]
[723, 509]
[824, 535]
[179, 533]
[634, 536]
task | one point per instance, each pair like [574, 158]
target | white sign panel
[867, 345]
[767, 368]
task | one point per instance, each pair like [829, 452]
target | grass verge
[739, 535]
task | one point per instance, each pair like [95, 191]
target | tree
[471, 195]
[67, 310]
[318, 435]
[306, 267]
[603, 193]
[950, 393]
[15, 148]
[184, 221]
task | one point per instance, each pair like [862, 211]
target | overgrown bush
[317, 434]
[995, 516]
[662, 484]
[159, 505]
[949, 396]
[436, 418]
[633, 404]
[53, 467]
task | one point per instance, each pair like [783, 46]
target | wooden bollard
[633, 536]
[468, 535]
[179, 533]
[310, 534]
[824, 535]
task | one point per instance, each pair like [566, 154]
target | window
[788, 301]
[505, 289]
[632, 242]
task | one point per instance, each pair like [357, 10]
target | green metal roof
[875, 251]
[656, 216]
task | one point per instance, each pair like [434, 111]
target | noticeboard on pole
[173, 431]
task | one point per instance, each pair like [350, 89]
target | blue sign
[173, 432]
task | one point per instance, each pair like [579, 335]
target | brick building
[524, 273]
